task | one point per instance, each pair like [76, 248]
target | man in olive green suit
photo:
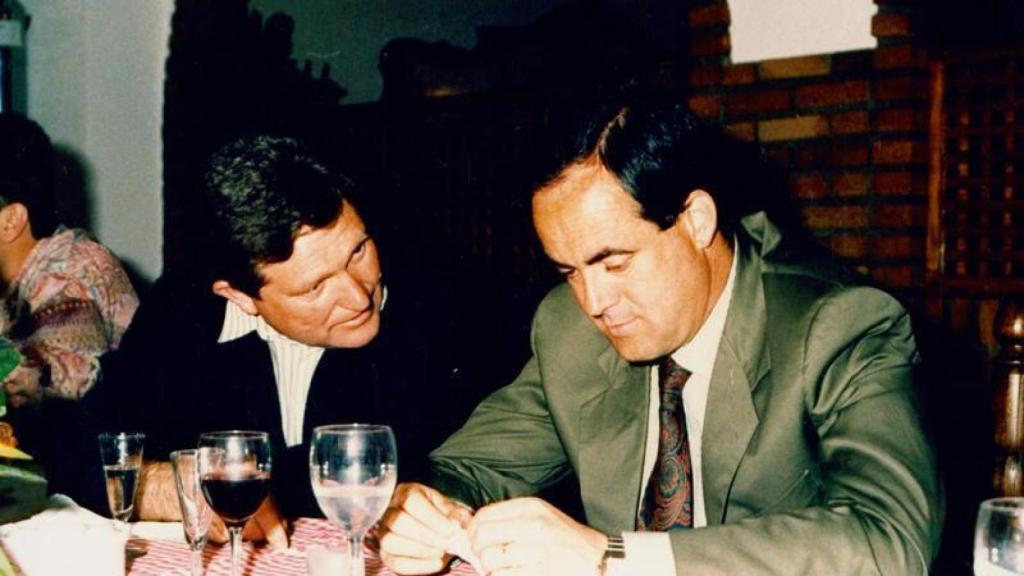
[804, 453]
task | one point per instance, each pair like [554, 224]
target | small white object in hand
[459, 546]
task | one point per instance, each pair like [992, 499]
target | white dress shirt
[650, 553]
[294, 364]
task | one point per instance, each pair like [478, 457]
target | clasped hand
[518, 536]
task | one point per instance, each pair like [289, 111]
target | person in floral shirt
[66, 298]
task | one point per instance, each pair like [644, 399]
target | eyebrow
[601, 255]
[605, 253]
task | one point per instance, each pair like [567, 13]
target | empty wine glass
[234, 473]
[353, 468]
[999, 538]
[122, 458]
[195, 512]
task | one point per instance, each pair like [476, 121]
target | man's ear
[224, 289]
[13, 221]
[700, 217]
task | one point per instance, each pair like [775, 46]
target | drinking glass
[353, 468]
[122, 457]
[999, 537]
[195, 512]
[234, 473]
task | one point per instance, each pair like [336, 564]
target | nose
[598, 294]
[351, 293]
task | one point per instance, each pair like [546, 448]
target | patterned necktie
[668, 500]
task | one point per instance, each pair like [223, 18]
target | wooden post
[936, 170]
[1008, 401]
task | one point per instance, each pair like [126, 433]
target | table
[157, 557]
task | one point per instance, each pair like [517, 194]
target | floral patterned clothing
[71, 302]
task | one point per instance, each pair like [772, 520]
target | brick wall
[850, 129]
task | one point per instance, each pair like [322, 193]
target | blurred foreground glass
[999, 538]
[234, 473]
[122, 458]
[195, 512]
[353, 468]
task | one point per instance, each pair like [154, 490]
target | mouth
[622, 328]
[358, 319]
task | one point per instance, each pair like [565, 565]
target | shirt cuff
[647, 554]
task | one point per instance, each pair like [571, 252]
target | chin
[636, 352]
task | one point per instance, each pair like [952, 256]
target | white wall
[94, 71]
[765, 29]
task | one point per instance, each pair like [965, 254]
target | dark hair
[660, 152]
[26, 171]
[263, 190]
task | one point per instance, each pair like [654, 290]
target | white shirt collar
[237, 323]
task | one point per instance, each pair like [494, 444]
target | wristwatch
[615, 550]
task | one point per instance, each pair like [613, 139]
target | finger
[407, 526]
[252, 532]
[430, 508]
[218, 531]
[461, 515]
[521, 521]
[274, 528]
[408, 566]
[399, 545]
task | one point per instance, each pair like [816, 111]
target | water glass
[122, 458]
[999, 538]
[353, 469]
[195, 512]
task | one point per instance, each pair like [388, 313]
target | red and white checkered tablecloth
[166, 558]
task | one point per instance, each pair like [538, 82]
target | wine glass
[353, 468]
[195, 512]
[999, 537]
[234, 472]
[122, 457]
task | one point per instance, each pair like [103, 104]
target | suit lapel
[742, 361]
[613, 422]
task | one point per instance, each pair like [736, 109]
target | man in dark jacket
[285, 335]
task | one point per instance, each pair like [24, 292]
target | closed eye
[617, 263]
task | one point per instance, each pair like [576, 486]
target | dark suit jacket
[172, 380]
[813, 458]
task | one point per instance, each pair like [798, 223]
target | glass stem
[236, 550]
[197, 561]
[355, 554]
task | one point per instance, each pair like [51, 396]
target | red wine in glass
[235, 498]
[234, 472]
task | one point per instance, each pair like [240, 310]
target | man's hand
[158, 497]
[158, 500]
[418, 529]
[529, 536]
[265, 526]
[23, 386]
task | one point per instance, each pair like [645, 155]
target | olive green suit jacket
[814, 461]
